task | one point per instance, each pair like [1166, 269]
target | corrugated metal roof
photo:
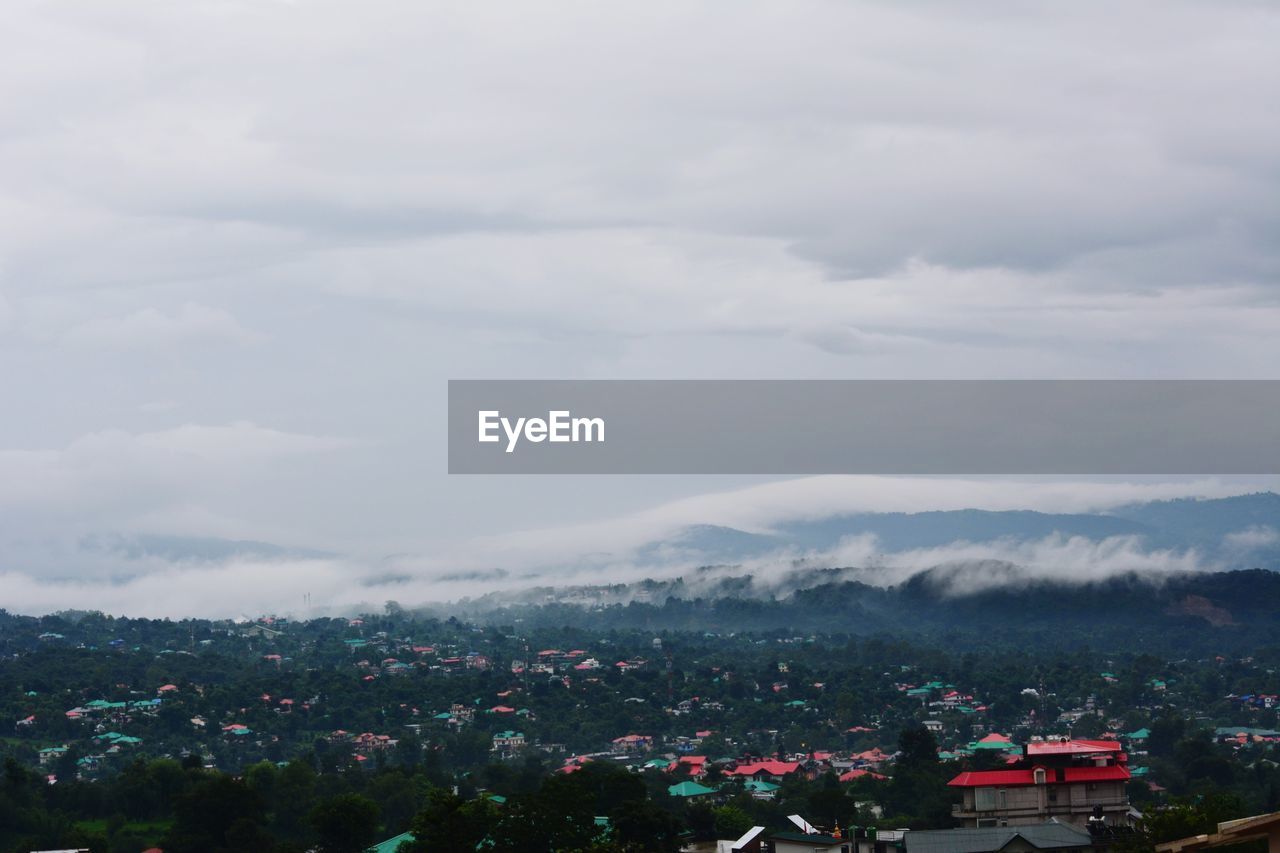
[1046, 836]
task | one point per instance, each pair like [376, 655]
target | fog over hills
[1234, 532]
[954, 553]
[948, 555]
[1180, 576]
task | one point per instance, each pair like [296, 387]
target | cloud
[758, 508]
[179, 480]
[1252, 538]
[965, 568]
[151, 327]
[424, 191]
[238, 586]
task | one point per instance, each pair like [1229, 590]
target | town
[345, 733]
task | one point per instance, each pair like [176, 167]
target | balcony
[1110, 805]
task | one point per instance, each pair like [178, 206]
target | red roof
[773, 768]
[981, 778]
[1071, 747]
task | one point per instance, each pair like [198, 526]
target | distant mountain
[193, 548]
[1191, 522]
[1240, 532]
[899, 531]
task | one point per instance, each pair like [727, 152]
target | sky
[244, 245]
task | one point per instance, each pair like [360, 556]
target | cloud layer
[244, 244]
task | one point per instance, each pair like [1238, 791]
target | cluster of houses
[696, 775]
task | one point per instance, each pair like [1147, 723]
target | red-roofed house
[632, 743]
[1058, 778]
[1037, 749]
[766, 769]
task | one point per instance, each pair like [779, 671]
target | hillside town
[865, 734]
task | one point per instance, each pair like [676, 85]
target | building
[508, 741]
[751, 842]
[802, 842]
[1232, 832]
[766, 770]
[1071, 781]
[1057, 837]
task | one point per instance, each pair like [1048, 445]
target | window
[984, 799]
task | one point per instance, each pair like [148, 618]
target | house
[803, 842]
[752, 841]
[51, 753]
[761, 790]
[632, 743]
[508, 741]
[694, 765]
[1067, 780]
[1054, 836]
[391, 845]
[689, 790]
[765, 769]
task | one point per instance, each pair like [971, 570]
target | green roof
[390, 845]
[1231, 731]
[1140, 734]
[689, 789]
[761, 786]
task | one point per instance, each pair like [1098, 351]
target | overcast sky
[243, 245]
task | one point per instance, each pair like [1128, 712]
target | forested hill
[1223, 611]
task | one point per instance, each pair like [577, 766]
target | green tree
[347, 823]
[449, 822]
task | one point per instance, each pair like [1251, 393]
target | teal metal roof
[390, 845]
